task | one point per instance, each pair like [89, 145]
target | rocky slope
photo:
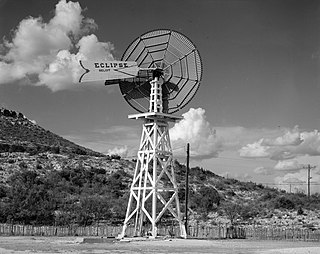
[25, 146]
[19, 134]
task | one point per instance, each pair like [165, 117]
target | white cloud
[196, 130]
[51, 51]
[263, 171]
[91, 48]
[255, 150]
[292, 151]
[61, 73]
[310, 144]
[67, 16]
[291, 144]
[291, 137]
[298, 182]
[122, 151]
[288, 165]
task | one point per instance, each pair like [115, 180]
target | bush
[248, 211]
[115, 157]
[220, 185]
[205, 200]
[231, 210]
[283, 202]
[4, 148]
[268, 196]
[300, 211]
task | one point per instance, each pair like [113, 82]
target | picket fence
[203, 232]
[277, 233]
[212, 232]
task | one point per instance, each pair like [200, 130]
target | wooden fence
[212, 232]
[277, 233]
[204, 232]
[29, 230]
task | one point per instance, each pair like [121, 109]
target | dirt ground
[73, 245]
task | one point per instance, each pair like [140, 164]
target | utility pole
[309, 178]
[187, 190]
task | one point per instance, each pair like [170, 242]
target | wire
[240, 158]
[173, 149]
[290, 183]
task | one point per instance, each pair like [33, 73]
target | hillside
[45, 179]
[215, 199]
[19, 134]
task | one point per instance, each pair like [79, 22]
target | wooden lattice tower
[154, 189]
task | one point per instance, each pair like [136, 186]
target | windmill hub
[157, 73]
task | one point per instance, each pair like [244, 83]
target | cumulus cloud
[297, 181]
[291, 137]
[291, 144]
[51, 51]
[196, 130]
[288, 165]
[122, 151]
[310, 144]
[255, 150]
[289, 150]
[263, 171]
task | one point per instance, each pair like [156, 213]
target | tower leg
[154, 190]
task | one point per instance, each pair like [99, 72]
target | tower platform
[155, 116]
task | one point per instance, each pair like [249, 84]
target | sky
[255, 117]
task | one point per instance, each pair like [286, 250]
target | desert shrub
[72, 195]
[230, 181]
[23, 165]
[283, 202]
[231, 210]
[260, 186]
[206, 199]
[247, 186]
[80, 151]
[300, 211]
[248, 211]
[314, 201]
[230, 193]
[17, 148]
[98, 171]
[2, 191]
[32, 150]
[55, 149]
[220, 185]
[6, 113]
[268, 196]
[4, 148]
[115, 157]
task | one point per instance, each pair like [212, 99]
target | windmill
[159, 73]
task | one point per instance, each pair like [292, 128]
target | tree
[206, 199]
[283, 202]
[29, 199]
[231, 210]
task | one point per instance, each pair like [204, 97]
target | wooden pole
[187, 190]
[309, 167]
